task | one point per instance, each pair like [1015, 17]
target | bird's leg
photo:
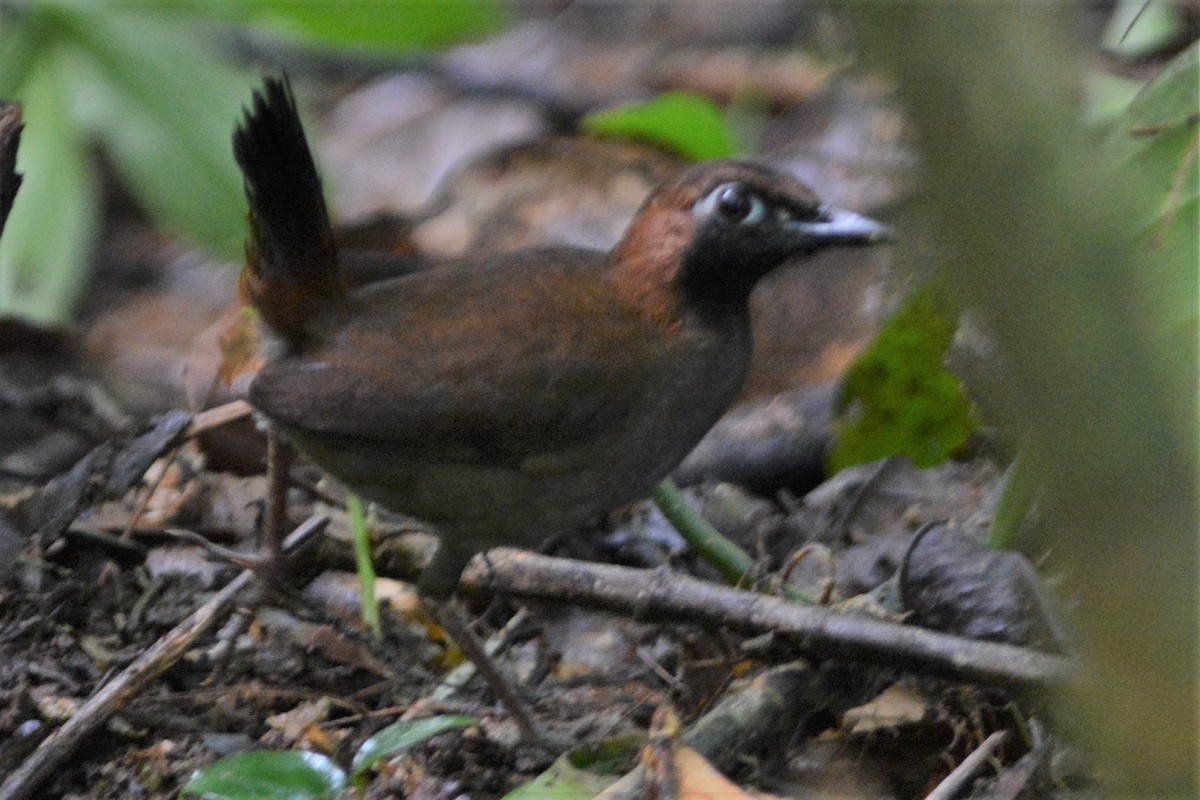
[454, 622]
[279, 463]
[436, 589]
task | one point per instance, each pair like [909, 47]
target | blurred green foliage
[269, 775]
[1041, 229]
[898, 398]
[1138, 29]
[151, 82]
[686, 124]
[375, 26]
[401, 736]
[1158, 140]
[364, 566]
[298, 775]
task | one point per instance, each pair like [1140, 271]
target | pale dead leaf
[898, 705]
[294, 724]
[700, 780]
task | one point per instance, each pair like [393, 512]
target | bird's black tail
[291, 260]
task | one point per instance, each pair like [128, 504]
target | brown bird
[509, 398]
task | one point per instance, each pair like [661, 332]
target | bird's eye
[734, 202]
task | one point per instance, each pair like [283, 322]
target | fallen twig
[815, 632]
[216, 417]
[131, 681]
[109, 470]
[957, 781]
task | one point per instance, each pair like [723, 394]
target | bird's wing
[494, 364]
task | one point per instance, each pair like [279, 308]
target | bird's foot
[450, 617]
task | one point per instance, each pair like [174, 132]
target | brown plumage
[511, 398]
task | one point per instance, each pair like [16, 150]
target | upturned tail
[291, 260]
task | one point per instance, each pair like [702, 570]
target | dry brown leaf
[295, 723]
[700, 780]
[898, 705]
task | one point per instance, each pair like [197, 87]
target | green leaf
[165, 107]
[686, 124]
[583, 772]
[290, 775]
[1160, 129]
[898, 397]
[386, 26]
[1140, 28]
[613, 755]
[1012, 507]
[1107, 96]
[1158, 141]
[400, 736]
[365, 567]
[562, 782]
[53, 223]
[24, 37]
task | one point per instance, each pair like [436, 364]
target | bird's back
[525, 375]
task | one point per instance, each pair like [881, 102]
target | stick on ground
[134, 679]
[814, 632]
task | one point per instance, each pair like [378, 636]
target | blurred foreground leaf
[1140, 28]
[1042, 231]
[1157, 140]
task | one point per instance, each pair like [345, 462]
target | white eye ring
[734, 202]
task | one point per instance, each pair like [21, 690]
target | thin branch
[660, 595]
[134, 679]
[216, 417]
[955, 784]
